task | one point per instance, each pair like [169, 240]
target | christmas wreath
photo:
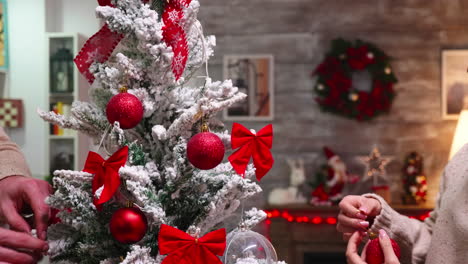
[338, 89]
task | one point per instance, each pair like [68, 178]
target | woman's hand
[354, 213]
[353, 257]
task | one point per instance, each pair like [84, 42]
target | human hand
[354, 211]
[20, 248]
[353, 257]
[18, 193]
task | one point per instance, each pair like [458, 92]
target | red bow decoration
[98, 48]
[256, 146]
[106, 173]
[182, 248]
[174, 35]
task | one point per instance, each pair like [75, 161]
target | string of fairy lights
[316, 219]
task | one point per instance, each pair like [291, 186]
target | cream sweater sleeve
[413, 236]
[12, 161]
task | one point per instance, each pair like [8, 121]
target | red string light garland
[316, 220]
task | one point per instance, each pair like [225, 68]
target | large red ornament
[125, 108]
[255, 146]
[374, 253]
[205, 151]
[128, 225]
[182, 248]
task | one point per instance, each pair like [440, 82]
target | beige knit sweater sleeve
[12, 161]
[413, 236]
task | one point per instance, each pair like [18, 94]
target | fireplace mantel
[294, 234]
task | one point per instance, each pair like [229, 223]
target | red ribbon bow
[256, 146]
[106, 173]
[98, 48]
[182, 248]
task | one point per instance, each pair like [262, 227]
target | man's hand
[20, 248]
[355, 212]
[18, 193]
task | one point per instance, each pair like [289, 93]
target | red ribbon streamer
[175, 36]
[106, 173]
[182, 248]
[256, 146]
[98, 48]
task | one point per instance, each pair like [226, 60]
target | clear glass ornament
[248, 247]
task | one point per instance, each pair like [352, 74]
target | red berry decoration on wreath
[374, 253]
[205, 150]
[355, 80]
[125, 108]
[128, 225]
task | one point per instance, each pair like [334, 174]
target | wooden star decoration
[375, 166]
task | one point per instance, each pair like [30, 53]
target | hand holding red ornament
[354, 213]
[382, 250]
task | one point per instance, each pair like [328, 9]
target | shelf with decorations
[66, 148]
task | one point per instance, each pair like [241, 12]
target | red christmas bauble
[128, 225]
[374, 253]
[125, 108]
[205, 151]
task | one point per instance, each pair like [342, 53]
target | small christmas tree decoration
[125, 108]
[106, 173]
[205, 150]
[414, 180]
[256, 146]
[128, 225]
[182, 248]
[158, 46]
[374, 253]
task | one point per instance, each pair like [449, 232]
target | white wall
[29, 20]
[72, 16]
[27, 77]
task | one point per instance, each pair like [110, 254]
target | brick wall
[298, 33]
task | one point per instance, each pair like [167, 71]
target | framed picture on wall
[253, 75]
[3, 35]
[454, 82]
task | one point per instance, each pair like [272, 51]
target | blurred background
[271, 49]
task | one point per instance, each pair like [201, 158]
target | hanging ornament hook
[204, 125]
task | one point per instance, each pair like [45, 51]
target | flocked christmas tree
[148, 121]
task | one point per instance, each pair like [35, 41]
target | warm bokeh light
[460, 137]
